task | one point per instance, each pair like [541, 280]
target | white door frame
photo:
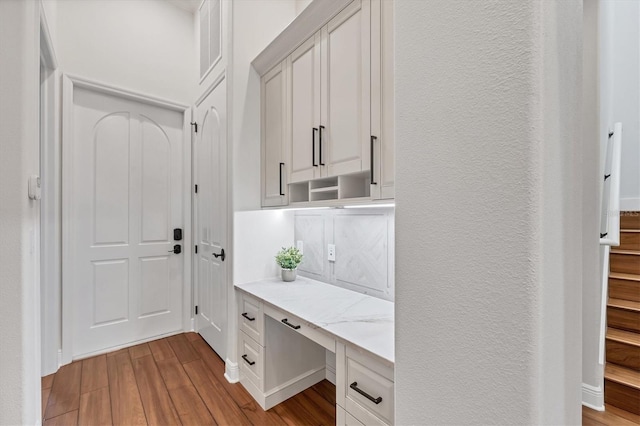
[50, 216]
[69, 83]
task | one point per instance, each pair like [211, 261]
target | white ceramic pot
[289, 275]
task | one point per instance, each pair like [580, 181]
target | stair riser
[624, 289]
[629, 241]
[623, 354]
[625, 263]
[623, 319]
[621, 396]
[630, 220]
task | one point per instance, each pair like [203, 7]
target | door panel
[346, 90]
[126, 178]
[305, 110]
[210, 158]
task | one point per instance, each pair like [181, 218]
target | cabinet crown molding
[312, 18]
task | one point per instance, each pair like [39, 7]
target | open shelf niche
[335, 188]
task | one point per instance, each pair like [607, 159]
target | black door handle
[313, 146]
[286, 322]
[177, 249]
[373, 140]
[281, 192]
[320, 142]
[247, 361]
[355, 387]
[221, 254]
[246, 315]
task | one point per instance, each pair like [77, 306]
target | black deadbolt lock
[177, 234]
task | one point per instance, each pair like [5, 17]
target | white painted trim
[310, 20]
[231, 371]
[223, 5]
[604, 297]
[330, 374]
[126, 345]
[592, 397]
[46, 42]
[219, 79]
[629, 204]
[121, 92]
[187, 265]
[69, 83]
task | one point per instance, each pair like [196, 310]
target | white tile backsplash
[364, 240]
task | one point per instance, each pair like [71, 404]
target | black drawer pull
[244, 314]
[247, 361]
[354, 386]
[295, 327]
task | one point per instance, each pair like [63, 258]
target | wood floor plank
[257, 416]
[634, 418]
[190, 407]
[161, 349]
[65, 392]
[45, 398]
[47, 381]
[138, 351]
[216, 366]
[320, 408]
[182, 348]
[157, 404]
[118, 352]
[609, 417]
[126, 406]
[95, 408]
[66, 419]
[294, 414]
[327, 390]
[94, 373]
[191, 336]
[222, 406]
[173, 374]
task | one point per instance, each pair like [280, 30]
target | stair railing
[609, 219]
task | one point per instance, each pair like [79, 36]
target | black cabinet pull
[373, 140]
[247, 361]
[321, 159]
[244, 314]
[281, 192]
[313, 146]
[286, 322]
[355, 387]
[221, 254]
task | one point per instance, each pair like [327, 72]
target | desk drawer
[251, 360]
[251, 318]
[369, 388]
[298, 325]
[345, 419]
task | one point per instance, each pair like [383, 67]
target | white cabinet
[274, 145]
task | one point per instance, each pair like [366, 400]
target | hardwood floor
[172, 381]
[612, 416]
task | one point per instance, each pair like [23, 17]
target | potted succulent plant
[289, 259]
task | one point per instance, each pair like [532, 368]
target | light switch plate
[331, 252]
[300, 246]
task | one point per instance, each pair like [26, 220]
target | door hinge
[195, 126]
[196, 189]
[196, 249]
[196, 309]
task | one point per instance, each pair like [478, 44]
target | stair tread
[623, 336]
[629, 252]
[629, 305]
[624, 376]
[623, 276]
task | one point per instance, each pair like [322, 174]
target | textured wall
[487, 93]
[19, 293]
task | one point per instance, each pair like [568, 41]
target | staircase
[622, 370]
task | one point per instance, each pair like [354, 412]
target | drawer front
[370, 386]
[251, 360]
[296, 324]
[251, 318]
[345, 419]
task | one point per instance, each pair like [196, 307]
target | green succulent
[289, 258]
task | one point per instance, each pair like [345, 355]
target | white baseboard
[330, 374]
[231, 371]
[59, 358]
[592, 397]
[629, 204]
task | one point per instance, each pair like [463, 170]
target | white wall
[488, 199]
[144, 45]
[301, 5]
[620, 90]
[255, 24]
[19, 296]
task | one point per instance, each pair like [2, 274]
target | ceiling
[188, 5]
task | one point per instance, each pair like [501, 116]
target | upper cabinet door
[346, 91]
[304, 101]
[273, 96]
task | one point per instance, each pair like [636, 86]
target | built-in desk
[285, 329]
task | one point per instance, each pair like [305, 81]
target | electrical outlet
[300, 246]
[331, 252]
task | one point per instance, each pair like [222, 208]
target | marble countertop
[354, 318]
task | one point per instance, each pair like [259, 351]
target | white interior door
[210, 158]
[126, 177]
